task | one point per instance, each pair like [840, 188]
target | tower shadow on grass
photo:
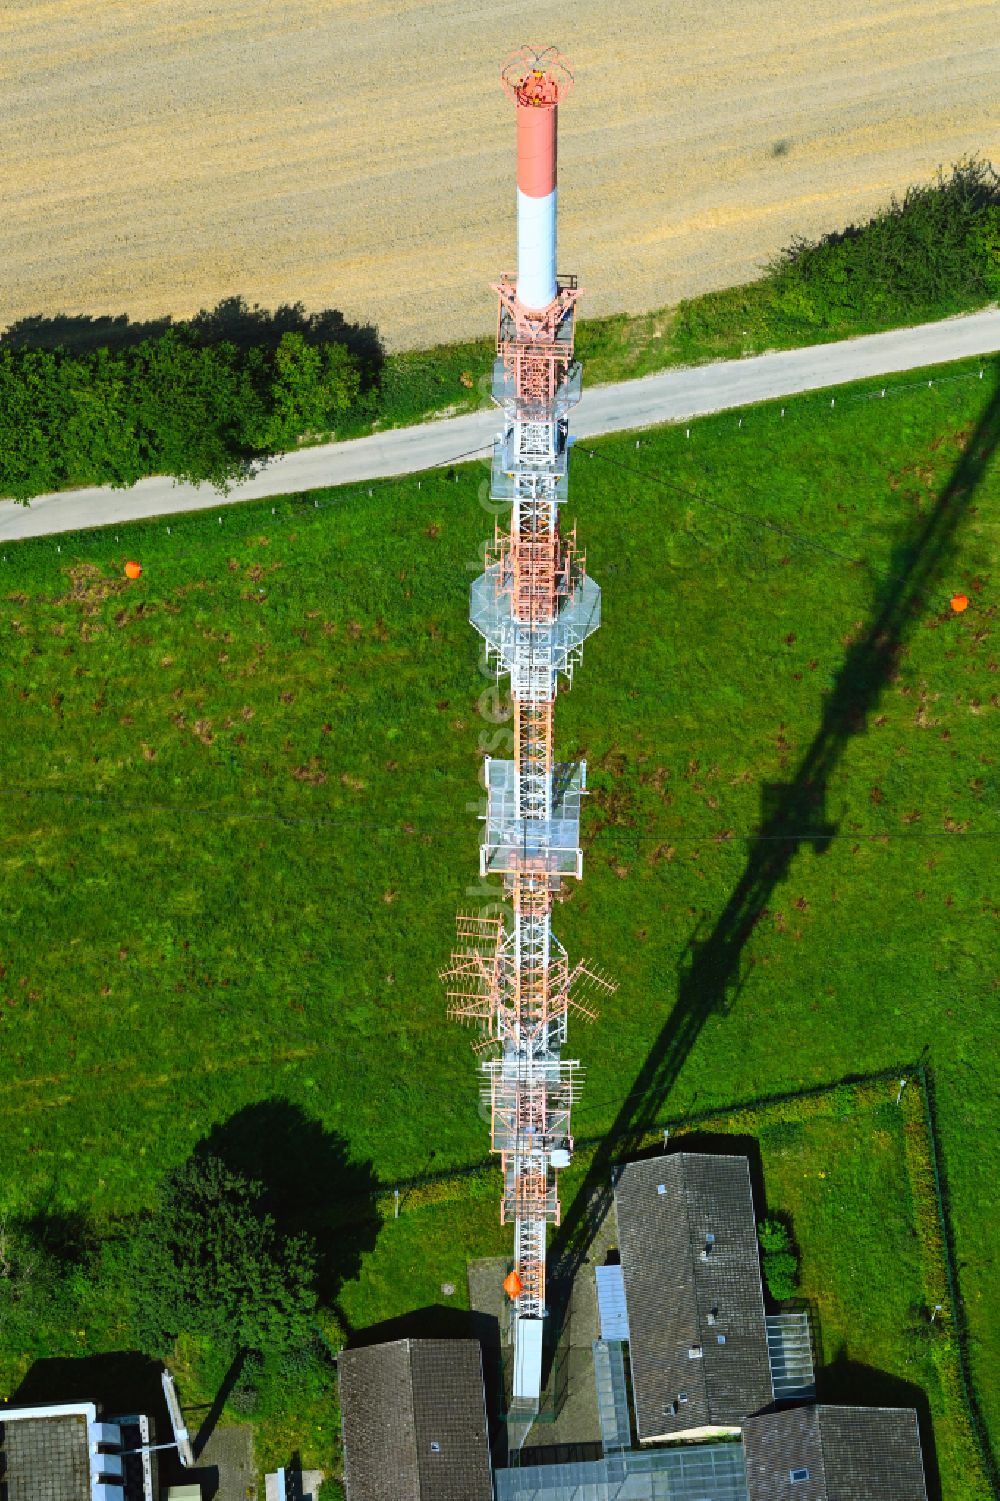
[793, 816]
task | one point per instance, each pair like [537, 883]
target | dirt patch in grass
[90, 587]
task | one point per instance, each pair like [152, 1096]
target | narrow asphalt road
[669, 397]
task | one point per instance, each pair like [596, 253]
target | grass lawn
[239, 810]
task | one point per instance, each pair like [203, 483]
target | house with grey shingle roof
[413, 1415]
[698, 1346]
[683, 1308]
[686, 1302]
[834, 1454]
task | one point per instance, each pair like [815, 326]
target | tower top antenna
[538, 76]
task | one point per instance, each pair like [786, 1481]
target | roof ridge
[409, 1342]
[820, 1406]
[701, 1372]
[759, 1270]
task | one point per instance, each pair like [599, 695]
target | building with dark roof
[683, 1308]
[698, 1345]
[413, 1414]
[65, 1452]
[834, 1454]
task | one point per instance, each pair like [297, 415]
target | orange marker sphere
[132, 570]
[512, 1286]
[959, 602]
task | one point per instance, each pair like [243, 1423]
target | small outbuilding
[697, 1333]
[65, 1451]
[834, 1454]
[413, 1413]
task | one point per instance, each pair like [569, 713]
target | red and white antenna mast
[534, 606]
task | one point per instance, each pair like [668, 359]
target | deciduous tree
[209, 1260]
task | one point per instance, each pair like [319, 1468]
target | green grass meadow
[239, 813]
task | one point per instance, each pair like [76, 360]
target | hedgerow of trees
[210, 399]
[182, 402]
[933, 251]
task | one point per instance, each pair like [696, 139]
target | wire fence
[296, 506]
[98, 802]
[774, 415]
[970, 1393]
[248, 517]
[489, 1165]
[240, 519]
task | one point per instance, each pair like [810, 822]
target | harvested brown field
[158, 156]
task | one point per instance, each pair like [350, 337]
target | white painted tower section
[536, 249]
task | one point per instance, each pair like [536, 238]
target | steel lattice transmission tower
[534, 606]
